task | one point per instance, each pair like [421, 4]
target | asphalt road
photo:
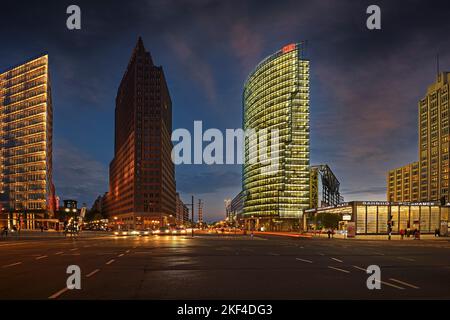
[223, 267]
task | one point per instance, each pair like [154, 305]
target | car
[121, 233]
[162, 231]
[144, 233]
[179, 231]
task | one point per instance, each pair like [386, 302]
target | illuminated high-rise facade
[142, 174]
[434, 140]
[28, 194]
[276, 99]
[427, 179]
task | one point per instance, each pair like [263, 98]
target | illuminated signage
[346, 217]
[288, 48]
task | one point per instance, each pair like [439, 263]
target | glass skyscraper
[276, 97]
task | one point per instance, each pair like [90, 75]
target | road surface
[223, 267]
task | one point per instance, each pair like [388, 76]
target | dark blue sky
[364, 84]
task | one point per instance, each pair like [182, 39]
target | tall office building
[434, 140]
[403, 183]
[427, 179]
[26, 121]
[142, 174]
[276, 97]
[323, 187]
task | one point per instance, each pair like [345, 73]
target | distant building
[26, 125]
[427, 179]
[403, 183]
[236, 208]
[98, 204]
[376, 217]
[182, 211]
[142, 174]
[324, 187]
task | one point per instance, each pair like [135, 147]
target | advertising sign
[351, 229]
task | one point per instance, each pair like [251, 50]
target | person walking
[402, 233]
[329, 233]
[5, 231]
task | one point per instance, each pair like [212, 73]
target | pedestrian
[5, 231]
[42, 228]
[402, 233]
[329, 233]
[436, 232]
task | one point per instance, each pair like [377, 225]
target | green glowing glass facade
[276, 97]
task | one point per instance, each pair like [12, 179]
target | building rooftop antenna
[437, 65]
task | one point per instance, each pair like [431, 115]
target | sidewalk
[382, 237]
[48, 234]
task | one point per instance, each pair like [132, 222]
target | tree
[327, 220]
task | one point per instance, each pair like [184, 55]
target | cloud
[77, 175]
[205, 180]
[195, 67]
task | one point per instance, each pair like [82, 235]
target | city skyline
[206, 83]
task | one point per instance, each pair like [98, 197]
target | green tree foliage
[327, 220]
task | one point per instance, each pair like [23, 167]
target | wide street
[223, 267]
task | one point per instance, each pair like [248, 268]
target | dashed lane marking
[359, 268]
[338, 269]
[57, 294]
[110, 261]
[390, 284]
[12, 264]
[92, 273]
[406, 259]
[338, 260]
[304, 260]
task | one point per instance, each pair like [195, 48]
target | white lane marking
[60, 252]
[304, 260]
[127, 251]
[390, 284]
[73, 249]
[274, 254]
[92, 273]
[41, 257]
[322, 254]
[110, 261]
[57, 294]
[338, 269]
[86, 246]
[121, 255]
[338, 260]
[359, 268]
[407, 259]
[12, 265]
[71, 254]
[405, 283]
